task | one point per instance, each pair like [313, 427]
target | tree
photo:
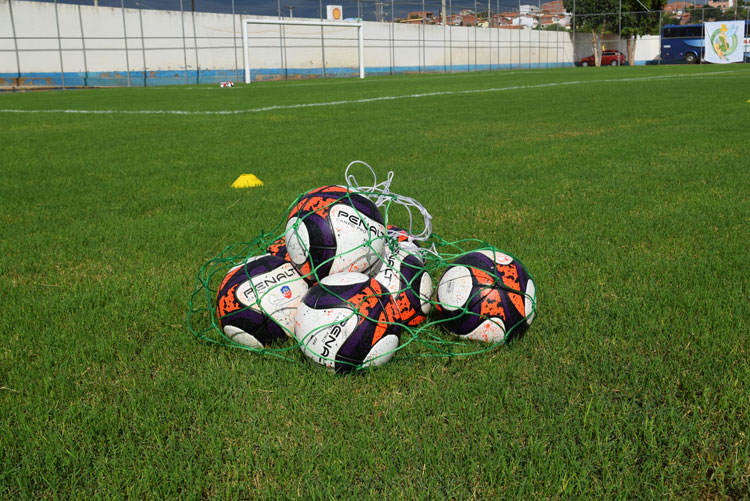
[669, 18]
[596, 16]
[706, 14]
[701, 14]
[636, 18]
[639, 18]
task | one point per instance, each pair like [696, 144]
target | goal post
[281, 22]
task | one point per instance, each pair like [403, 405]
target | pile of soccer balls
[345, 286]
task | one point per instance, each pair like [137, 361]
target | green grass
[625, 194]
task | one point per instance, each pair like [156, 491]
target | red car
[609, 58]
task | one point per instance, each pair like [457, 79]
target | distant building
[553, 7]
[529, 9]
[680, 10]
[500, 20]
[529, 17]
[418, 17]
[468, 20]
[526, 21]
[679, 6]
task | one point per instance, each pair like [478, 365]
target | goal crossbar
[339, 24]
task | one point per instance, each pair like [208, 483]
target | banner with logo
[334, 12]
[724, 42]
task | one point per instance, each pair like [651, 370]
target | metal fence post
[322, 39]
[195, 47]
[475, 35]
[393, 40]
[520, 29]
[468, 51]
[184, 48]
[390, 43]
[15, 43]
[234, 43]
[497, 28]
[450, 35]
[489, 33]
[574, 32]
[443, 18]
[59, 47]
[619, 29]
[703, 32]
[143, 42]
[125, 35]
[539, 38]
[284, 57]
[83, 46]
[423, 42]
[660, 21]
[282, 45]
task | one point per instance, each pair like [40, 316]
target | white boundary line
[368, 100]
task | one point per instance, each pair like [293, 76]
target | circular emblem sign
[724, 41]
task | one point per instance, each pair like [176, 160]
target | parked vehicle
[682, 43]
[609, 58]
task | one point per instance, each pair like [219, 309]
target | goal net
[282, 49]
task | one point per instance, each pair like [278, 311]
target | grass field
[624, 191]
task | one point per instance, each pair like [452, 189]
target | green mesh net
[283, 295]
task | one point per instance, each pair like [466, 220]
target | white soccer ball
[256, 303]
[347, 321]
[334, 230]
[487, 296]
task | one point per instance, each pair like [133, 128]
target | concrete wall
[112, 46]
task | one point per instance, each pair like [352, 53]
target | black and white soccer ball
[348, 321]
[333, 230]
[257, 301]
[487, 296]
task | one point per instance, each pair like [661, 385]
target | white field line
[367, 100]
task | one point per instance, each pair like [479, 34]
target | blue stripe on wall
[177, 77]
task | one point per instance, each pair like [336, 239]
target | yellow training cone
[247, 181]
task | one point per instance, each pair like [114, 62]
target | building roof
[553, 6]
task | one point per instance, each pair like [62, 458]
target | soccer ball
[347, 321]
[333, 230]
[278, 248]
[483, 295]
[257, 301]
[403, 274]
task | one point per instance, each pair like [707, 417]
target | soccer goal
[312, 47]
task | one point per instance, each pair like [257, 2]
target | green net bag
[342, 287]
